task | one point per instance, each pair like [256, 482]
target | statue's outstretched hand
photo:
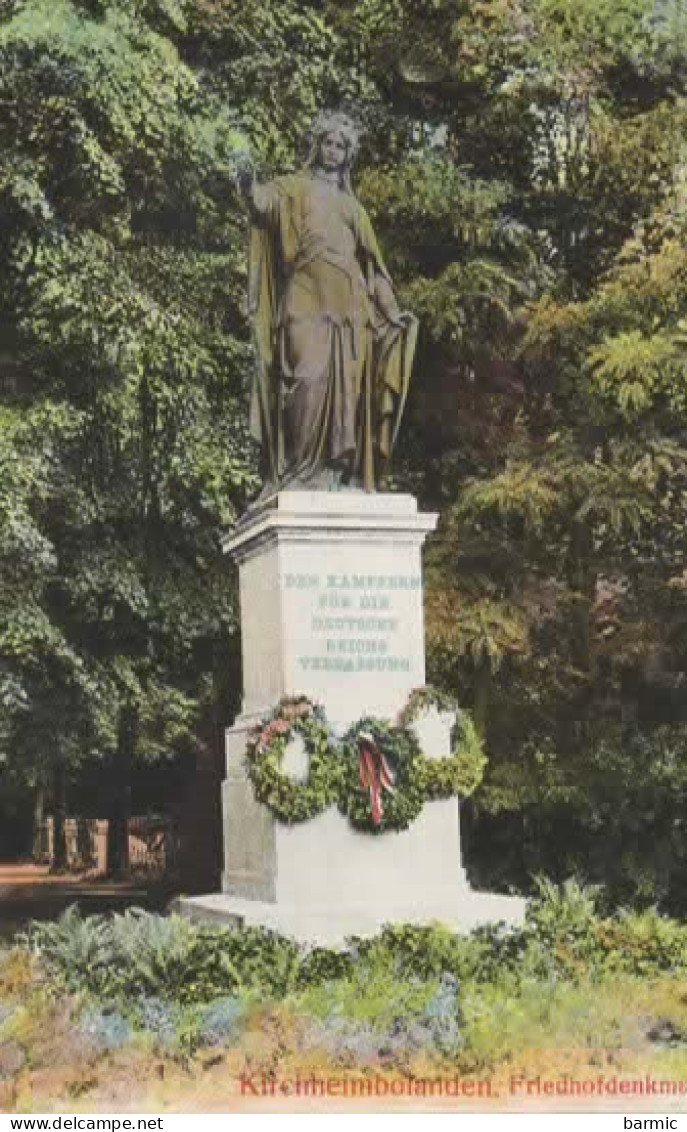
[245, 174]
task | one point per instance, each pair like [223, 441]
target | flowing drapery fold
[332, 372]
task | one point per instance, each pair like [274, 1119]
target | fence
[153, 844]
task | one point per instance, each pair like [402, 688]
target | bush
[162, 1020]
[77, 950]
[643, 944]
[374, 1019]
[324, 965]
[139, 954]
[442, 1016]
[6, 1012]
[259, 959]
[219, 1023]
[169, 960]
[179, 1030]
[347, 1042]
[107, 1030]
[424, 951]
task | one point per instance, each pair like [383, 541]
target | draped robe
[332, 371]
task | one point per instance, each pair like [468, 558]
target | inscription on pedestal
[353, 621]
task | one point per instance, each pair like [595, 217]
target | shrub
[170, 960]
[641, 944]
[6, 1012]
[219, 1023]
[564, 938]
[141, 954]
[260, 959]
[428, 951]
[323, 965]
[107, 1030]
[369, 1020]
[442, 1017]
[150, 955]
[162, 1020]
[346, 1041]
[77, 950]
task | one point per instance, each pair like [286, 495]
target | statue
[333, 350]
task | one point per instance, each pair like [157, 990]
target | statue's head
[333, 143]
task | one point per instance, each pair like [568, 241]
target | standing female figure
[333, 351]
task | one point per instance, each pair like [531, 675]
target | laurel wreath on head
[334, 767]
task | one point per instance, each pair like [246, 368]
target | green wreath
[420, 699]
[460, 772]
[402, 753]
[289, 800]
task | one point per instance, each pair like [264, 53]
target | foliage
[118, 392]
[410, 995]
[77, 947]
[139, 955]
[161, 1020]
[563, 938]
[6, 1014]
[638, 1027]
[219, 1022]
[461, 772]
[441, 1018]
[16, 974]
[427, 952]
[108, 1031]
[323, 965]
[400, 1020]
[409, 989]
[580, 511]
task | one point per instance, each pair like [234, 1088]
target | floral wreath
[288, 799]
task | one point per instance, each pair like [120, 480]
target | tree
[569, 528]
[119, 252]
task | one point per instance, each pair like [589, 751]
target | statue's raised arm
[333, 350]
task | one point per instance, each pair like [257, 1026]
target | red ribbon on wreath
[375, 773]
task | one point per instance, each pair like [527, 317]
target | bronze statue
[333, 351]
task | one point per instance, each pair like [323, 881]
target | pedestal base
[331, 607]
[332, 927]
[321, 881]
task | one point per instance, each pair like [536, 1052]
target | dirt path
[30, 891]
[26, 880]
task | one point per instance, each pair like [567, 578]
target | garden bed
[88, 1004]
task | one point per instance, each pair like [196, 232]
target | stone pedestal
[331, 602]
[331, 607]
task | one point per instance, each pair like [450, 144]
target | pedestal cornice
[306, 517]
